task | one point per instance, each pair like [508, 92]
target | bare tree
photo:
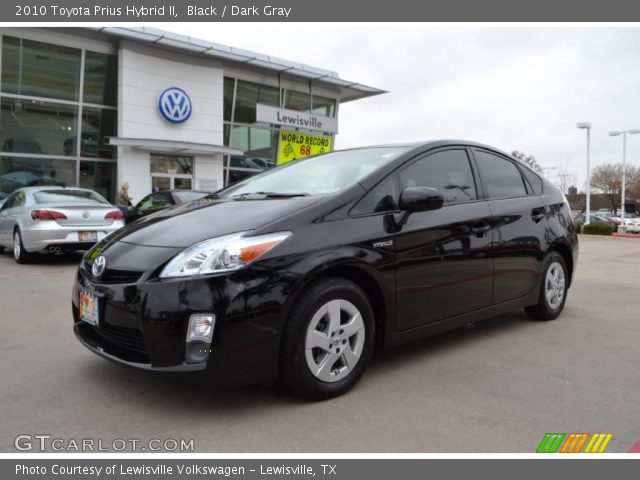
[608, 179]
[528, 160]
[567, 178]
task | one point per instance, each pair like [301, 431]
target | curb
[626, 235]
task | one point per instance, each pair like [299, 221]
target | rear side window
[68, 196]
[449, 171]
[535, 182]
[501, 177]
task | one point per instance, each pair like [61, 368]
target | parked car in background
[632, 224]
[596, 218]
[297, 273]
[615, 221]
[55, 219]
[157, 201]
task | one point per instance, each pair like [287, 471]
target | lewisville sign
[293, 118]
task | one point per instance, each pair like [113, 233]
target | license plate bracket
[89, 307]
[88, 236]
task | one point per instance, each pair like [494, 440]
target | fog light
[197, 352]
[201, 328]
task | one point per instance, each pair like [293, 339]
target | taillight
[47, 215]
[114, 215]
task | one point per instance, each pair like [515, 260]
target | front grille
[120, 276]
[128, 338]
[112, 276]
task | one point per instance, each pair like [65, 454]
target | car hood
[187, 224]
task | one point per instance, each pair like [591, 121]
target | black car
[296, 274]
[156, 201]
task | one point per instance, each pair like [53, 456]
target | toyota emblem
[98, 266]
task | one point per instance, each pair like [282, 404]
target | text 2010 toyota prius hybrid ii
[297, 273]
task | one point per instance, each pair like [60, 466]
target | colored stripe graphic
[550, 442]
[574, 443]
[598, 443]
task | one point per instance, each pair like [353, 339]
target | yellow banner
[296, 145]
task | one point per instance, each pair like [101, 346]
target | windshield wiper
[243, 196]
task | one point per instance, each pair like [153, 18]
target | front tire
[553, 289]
[20, 255]
[327, 340]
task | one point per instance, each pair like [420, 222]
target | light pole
[587, 126]
[624, 160]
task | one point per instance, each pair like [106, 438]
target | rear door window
[501, 176]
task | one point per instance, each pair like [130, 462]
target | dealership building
[96, 107]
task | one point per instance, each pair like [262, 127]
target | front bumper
[144, 320]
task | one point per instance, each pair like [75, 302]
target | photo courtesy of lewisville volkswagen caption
[296, 274]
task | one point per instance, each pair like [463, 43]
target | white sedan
[55, 219]
[632, 225]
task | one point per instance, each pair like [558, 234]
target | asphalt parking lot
[496, 387]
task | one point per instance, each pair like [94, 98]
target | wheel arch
[364, 279]
[565, 251]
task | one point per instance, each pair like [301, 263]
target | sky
[515, 88]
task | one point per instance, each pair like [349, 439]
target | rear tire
[553, 289]
[327, 341]
[20, 255]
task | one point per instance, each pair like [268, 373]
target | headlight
[222, 254]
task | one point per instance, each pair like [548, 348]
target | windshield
[321, 175]
[68, 196]
[188, 196]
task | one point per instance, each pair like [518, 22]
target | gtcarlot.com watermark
[44, 442]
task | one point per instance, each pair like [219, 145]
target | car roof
[430, 144]
[52, 187]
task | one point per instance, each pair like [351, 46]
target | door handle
[480, 228]
[537, 214]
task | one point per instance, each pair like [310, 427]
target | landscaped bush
[578, 224]
[597, 229]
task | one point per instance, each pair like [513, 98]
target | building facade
[99, 107]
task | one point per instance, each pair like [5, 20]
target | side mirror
[421, 199]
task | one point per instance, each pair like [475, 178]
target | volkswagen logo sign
[85, 214]
[98, 266]
[174, 105]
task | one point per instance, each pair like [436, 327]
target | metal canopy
[160, 38]
[173, 147]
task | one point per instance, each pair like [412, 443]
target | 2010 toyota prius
[296, 274]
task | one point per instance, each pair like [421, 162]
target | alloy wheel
[555, 285]
[334, 340]
[16, 245]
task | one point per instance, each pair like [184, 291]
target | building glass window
[100, 79]
[18, 172]
[97, 125]
[248, 95]
[297, 101]
[40, 69]
[259, 141]
[324, 106]
[43, 96]
[98, 176]
[229, 85]
[37, 127]
[172, 164]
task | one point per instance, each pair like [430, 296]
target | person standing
[124, 199]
